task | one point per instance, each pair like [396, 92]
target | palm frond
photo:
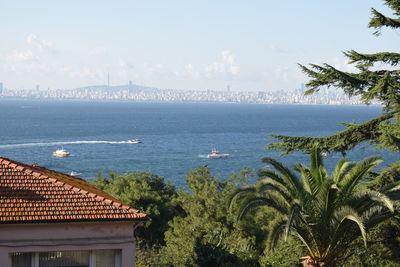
[276, 230]
[341, 169]
[375, 215]
[315, 158]
[290, 180]
[315, 165]
[257, 201]
[238, 193]
[326, 212]
[268, 173]
[348, 213]
[392, 190]
[392, 187]
[356, 174]
[306, 177]
[382, 199]
[364, 200]
[330, 201]
[269, 185]
[293, 213]
[305, 236]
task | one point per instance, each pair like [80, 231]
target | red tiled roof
[30, 193]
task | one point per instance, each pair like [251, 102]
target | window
[21, 259]
[64, 259]
[80, 258]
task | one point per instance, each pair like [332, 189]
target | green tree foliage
[384, 239]
[206, 235]
[386, 177]
[379, 20]
[150, 194]
[377, 78]
[284, 254]
[325, 212]
[383, 247]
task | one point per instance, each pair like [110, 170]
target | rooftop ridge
[69, 183]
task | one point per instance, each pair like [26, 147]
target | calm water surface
[176, 136]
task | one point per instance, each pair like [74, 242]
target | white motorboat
[61, 153]
[135, 141]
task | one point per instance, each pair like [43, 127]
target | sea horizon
[177, 137]
[188, 102]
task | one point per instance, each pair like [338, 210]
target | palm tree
[326, 212]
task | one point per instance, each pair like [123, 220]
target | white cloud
[23, 56]
[188, 71]
[343, 65]
[152, 69]
[125, 64]
[226, 66]
[42, 44]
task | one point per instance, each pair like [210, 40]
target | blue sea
[176, 136]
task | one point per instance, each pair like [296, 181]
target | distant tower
[108, 80]
[37, 87]
[130, 84]
[228, 88]
[1, 88]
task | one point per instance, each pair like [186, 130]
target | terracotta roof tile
[20, 168]
[35, 194]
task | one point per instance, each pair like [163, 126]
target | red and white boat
[215, 154]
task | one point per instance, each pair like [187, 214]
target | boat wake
[202, 156]
[62, 143]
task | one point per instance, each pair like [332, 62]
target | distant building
[1, 88]
[37, 87]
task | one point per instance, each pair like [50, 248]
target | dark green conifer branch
[367, 60]
[381, 85]
[340, 142]
[378, 21]
[372, 82]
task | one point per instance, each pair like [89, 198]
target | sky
[181, 44]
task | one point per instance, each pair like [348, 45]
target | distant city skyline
[137, 93]
[186, 45]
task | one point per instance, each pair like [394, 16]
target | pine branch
[382, 85]
[379, 20]
[395, 5]
[340, 142]
[370, 84]
[368, 60]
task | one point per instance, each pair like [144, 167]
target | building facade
[51, 219]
